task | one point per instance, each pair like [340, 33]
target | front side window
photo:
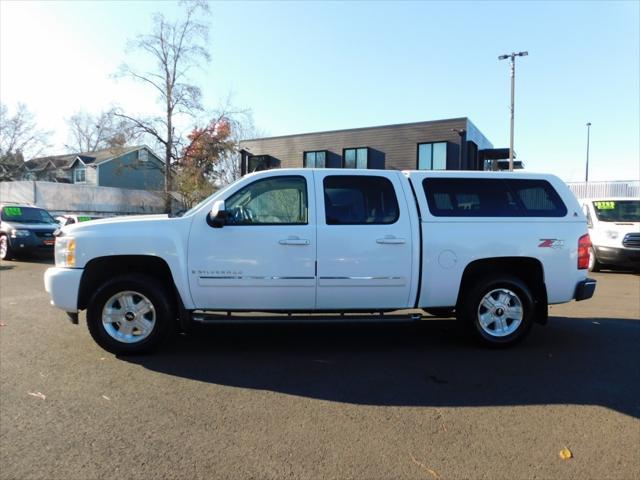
[476, 197]
[271, 201]
[315, 159]
[356, 157]
[80, 175]
[432, 156]
[359, 200]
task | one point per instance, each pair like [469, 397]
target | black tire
[594, 264]
[515, 291]
[6, 253]
[441, 312]
[145, 288]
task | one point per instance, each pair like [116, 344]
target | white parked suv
[614, 228]
[496, 248]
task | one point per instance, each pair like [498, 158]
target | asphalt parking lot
[381, 401]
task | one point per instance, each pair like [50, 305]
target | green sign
[84, 219]
[608, 205]
[12, 211]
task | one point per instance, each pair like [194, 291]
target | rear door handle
[294, 241]
[391, 240]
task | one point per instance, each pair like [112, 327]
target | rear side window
[359, 200]
[475, 197]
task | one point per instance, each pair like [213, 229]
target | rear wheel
[594, 264]
[131, 314]
[498, 310]
[5, 249]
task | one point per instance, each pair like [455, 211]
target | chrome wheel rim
[128, 317]
[500, 312]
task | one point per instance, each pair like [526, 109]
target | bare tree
[174, 47]
[88, 133]
[20, 137]
[20, 133]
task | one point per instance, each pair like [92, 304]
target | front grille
[631, 240]
[44, 234]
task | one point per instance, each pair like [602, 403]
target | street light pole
[586, 172]
[512, 56]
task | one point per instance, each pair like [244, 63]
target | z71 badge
[551, 243]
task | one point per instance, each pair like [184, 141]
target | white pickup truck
[496, 248]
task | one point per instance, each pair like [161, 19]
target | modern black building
[452, 144]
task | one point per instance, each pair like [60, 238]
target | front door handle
[294, 241]
[391, 240]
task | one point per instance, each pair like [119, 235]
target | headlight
[20, 233]
[65, 252]
[611, 234]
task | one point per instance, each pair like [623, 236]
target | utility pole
[512, 56]
[586, 172]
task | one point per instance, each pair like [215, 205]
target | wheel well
[528, 270]
[101, 269]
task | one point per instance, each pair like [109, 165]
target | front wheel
[5, 249]
[131, 314]
[499, 310]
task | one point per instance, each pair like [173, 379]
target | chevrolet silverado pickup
[492, 249]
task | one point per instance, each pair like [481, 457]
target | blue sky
[312, 66]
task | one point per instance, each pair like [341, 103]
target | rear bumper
[63, 285]
[585, 289]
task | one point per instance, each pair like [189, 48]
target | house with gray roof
[135, 167]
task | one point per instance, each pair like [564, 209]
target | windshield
[617, 210]
[26, 215]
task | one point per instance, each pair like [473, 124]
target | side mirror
[217, 217]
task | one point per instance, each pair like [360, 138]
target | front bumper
[585, 289]
[63, 285]
[622, 257]
[32, 243]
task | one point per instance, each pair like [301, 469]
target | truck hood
[114, 222]
[620, 227]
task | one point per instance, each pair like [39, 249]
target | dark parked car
[25, 228]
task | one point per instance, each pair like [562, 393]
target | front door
[365, 253]
[264, 257]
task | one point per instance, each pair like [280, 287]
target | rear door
[365, 246]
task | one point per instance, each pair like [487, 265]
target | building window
[143, 155]
[258, 163]
[355, 157]
[315, 159]
[432, 156]
[80, 175]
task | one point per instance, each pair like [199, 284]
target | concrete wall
[83, 199]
